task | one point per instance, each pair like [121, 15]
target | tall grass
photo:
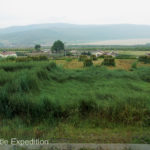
[37, 91]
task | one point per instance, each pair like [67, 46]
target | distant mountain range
[46, 34]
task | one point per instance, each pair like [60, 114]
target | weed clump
[83, 57]
[93, 57]
[31, 58]
[133, 66]
[68, 59]
[108, 61]
[145, 59]
[87, 63]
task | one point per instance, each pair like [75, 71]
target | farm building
[46, 51]
[8, 54]
[74, 52]
[98, 53]
[114, 54]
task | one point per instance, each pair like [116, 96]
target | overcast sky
[23, 12]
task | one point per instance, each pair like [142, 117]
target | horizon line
[12, 26]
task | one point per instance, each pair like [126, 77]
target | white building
[46, 51]
[98, 53]
[8, 54]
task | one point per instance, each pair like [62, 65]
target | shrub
[87, 62]
[86, 53]
[68, 59]
[11, 58]
[32, 58]
[108, 56]
[43, 58]
[109, 61]
[38, 58]
[51, 66]
[93, 57]
[23, 59]
[82, 57]
[144, 73]
[69, 54]
[102, 56]
[42, 74]
[20, 54]
[86, 107]
[145, 59]
[123, 56]
[133, 66]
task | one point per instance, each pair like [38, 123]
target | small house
[98, 53]
[46, 51]
[5, 54]
[114, 54]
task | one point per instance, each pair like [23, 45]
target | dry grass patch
[124, 63]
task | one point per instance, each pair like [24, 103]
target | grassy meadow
[63, 101]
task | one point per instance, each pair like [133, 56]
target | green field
[43, 100]
[136, 53]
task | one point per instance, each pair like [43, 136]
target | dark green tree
[37, 47]
[58, 46]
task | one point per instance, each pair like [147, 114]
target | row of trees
[57, 47]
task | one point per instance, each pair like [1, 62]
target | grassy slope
[90, 105]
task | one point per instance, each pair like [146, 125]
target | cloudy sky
[24, 12]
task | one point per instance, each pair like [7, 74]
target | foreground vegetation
[44, 100]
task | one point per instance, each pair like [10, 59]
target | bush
[144, 73]
[123, 56]
[20, 54]
[41, 58]
[23, 59]
[87, 62]
[133, 66]
[85, 107]
[93, 57]
[32, 58]
[42, 74]
[38, 58]
[69, 54]
[82, 57]
[109, 61]
[145, 59]
[51, 66]
[102, 56]
[11, 58]
[68, 59]
[86, 53]
[108, 56]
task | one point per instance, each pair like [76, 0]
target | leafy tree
[37, 47]
[58, 46]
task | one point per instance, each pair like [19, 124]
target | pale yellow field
[120, 64]
[136, 53]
